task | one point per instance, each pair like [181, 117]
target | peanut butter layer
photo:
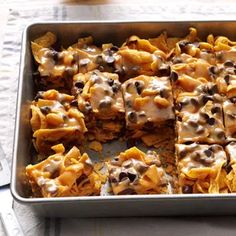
[64, 174]
[134, 172]
[54, 121]
[231, 177]
[201, 168]
[200, 116]
[148, 102]
[100, 99]
[229, 108]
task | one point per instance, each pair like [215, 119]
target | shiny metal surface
[102, 206]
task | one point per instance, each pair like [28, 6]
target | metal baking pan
[103, 206]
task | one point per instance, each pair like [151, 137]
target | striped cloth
[9, 66]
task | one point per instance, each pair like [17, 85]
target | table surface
[34, 225]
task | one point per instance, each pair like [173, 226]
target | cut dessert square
[148, 104]
[54, 121]
[200, 116]
[64, 174]
[229, 108]
[142, 57]
[201, 168]
[99, 98]
[231, 177]
[56, 68]
[188, 75]
[134, 172]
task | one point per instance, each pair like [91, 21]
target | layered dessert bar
[148, 104]
[57, 67]
[200, 116]
[99, 98]
[201, 168]
[134, 172]
[54, 121]
[64, 174]
[141, 57]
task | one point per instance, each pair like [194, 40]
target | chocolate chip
[183, 44]
[141, 168]
[45, 110]
[74, 103]
[99, 60]
[192, 123]
[139, 87]
[84, 62]
[220, 134]
[194, 102]
[233, 99]
[205, 116]
[110, 81]
[211, 121]
[105, 104]
[53, 54]
[110, 59]
[99, 123]
[187, 189]
[114, 48]
[208, 152]
[132, 116]
[174, 76]
[131, 176]
[213, 70]
[205, 99]
[122, 175]
[115, 87]
[182, 154]
[178, 106]
[164, 70]
[164, 93]
[179, 118]
[228, 63]
[79, 84]
[212, 90]
[227, 78]
[215, 109]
